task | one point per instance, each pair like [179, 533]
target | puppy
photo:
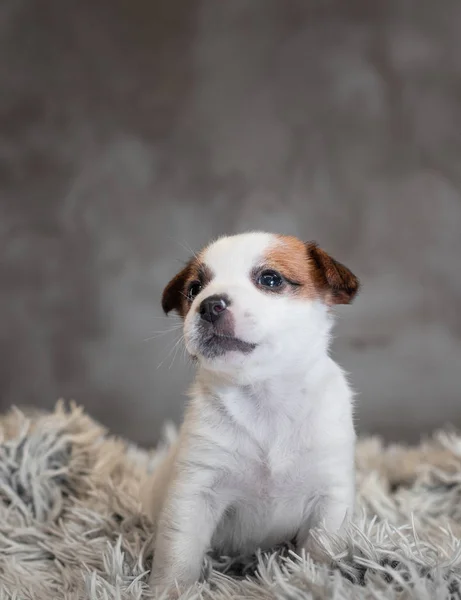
[266, 450]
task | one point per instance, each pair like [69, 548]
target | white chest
[269, 500]
[280, 448]
[269, 495]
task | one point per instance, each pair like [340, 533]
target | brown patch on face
[316, 272]
[288, 257]
[175, 295]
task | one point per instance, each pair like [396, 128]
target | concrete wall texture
[134, 130]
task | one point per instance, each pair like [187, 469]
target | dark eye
[193, 290]
[270, 279]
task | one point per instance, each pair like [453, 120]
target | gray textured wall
[131, 130]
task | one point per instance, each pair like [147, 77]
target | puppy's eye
[270, 279]
[193, 290]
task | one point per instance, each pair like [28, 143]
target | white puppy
[266, 450]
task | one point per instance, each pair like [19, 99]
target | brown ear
[335, 282]
[173, 297]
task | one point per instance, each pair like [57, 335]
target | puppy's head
[257, 300]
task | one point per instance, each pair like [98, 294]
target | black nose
[212, 308]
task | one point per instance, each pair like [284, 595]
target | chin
[221, 353]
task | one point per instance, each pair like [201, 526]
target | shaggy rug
[71, 525]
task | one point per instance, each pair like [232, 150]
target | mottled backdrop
[134, 130]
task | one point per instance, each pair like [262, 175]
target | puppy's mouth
[213, 344]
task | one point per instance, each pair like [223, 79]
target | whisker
[194, 254]
[171, 350]
[177, 346]
[187, 248]
[157, 334]
[173, 328]
[166, 317]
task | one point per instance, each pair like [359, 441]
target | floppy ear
[173, 295]
[336, 283]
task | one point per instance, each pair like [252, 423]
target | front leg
[330, 513]
[186, 526]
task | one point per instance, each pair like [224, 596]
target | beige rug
[71, 526]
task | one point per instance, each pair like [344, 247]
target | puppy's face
[255, 299]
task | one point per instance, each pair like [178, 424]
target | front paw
[163, 591]
[168, 589]
[322, 546]
[313, 548]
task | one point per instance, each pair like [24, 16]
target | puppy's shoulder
[332, 380]
[335, 403]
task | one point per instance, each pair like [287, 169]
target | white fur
[266, 450]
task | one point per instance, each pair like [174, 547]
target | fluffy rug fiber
[71, 525]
